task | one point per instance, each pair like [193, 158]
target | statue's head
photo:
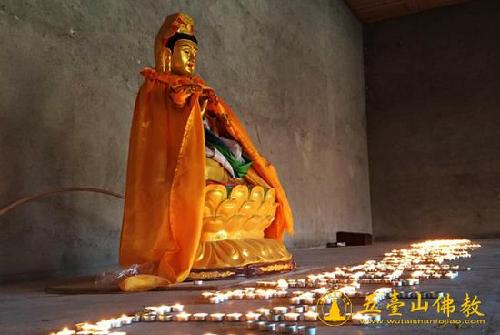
[176, 46]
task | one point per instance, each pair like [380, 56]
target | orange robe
[165, 187]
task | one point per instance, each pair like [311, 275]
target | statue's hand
[209, 93]
[180, 93]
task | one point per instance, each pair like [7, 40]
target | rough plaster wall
[293, 71]
[433, 106]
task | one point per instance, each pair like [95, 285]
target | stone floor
[26, 309]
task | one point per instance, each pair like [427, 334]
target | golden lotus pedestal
[232, 242]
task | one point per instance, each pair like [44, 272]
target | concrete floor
[26, 309]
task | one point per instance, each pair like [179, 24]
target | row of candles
[399, 267]
[278, 313]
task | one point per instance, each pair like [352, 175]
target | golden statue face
[184, 58]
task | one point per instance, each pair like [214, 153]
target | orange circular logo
[334, 308]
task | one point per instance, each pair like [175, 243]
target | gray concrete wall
[433, 108]
[293, 71]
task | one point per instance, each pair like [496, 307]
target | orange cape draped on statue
[165, 188]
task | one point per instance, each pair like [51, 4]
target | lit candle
[261, 294]
[200, 316]
[298, 309]
[238, 295]
[215, 299]
[310, 316]
[261, 283]
[126, 320]
[280, 310]
[151, 309]
[233, 316]
[308, 300]
[291, 316]
[80, 326]
[360, 318]
[66, 331]
[163, 309]
[182, 316]
[274, 317]
[281, 284]
[311, 308]
[216, 317]
[281, 294]
[250, 295]
[137, 317]
[263, 311]
[252, 316]
[178, 308]
[207, 294]
[104, 324]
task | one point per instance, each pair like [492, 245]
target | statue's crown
[178, 23]
[174, 23]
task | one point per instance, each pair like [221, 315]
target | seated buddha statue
[201, 202]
